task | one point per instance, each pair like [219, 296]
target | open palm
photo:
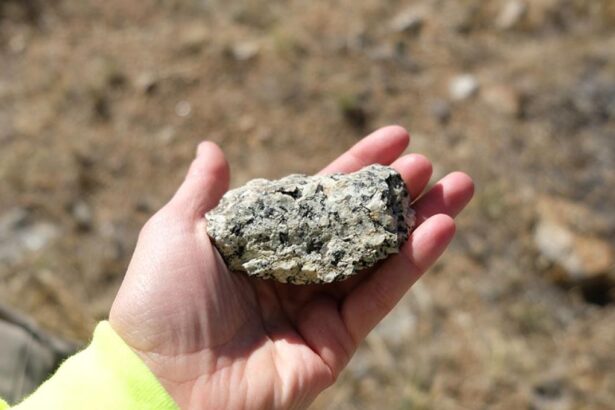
[217, 339]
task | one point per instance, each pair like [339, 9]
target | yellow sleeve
[106, 375]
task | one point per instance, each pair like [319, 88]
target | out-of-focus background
[103, 102]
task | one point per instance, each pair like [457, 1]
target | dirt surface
[102, 105]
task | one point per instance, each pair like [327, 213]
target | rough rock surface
[312, 229]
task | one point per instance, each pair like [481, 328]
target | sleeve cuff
[106, 375]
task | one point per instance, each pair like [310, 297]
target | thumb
[207, 180]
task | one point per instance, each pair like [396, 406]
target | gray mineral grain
[312, 229]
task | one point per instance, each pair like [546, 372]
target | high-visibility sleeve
[106, 375]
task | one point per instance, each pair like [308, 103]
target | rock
[383, 52]
[551, 394]
[511, 14]
[245, 51]
[106, 74]
[556, 244]
[576, 216]
[441, 110]
[19, 235]
[246, 123]
[193, 38]
[183, 108]
[503, 99]
[461, 17]
[409, 21]
[82, 214]
[595, 255]
[37, 236]
[578, 256]
[582, 256]
[13, 219]
[167, 134]
[463, 87]
[146, 83]
[29, 354]
[303, 229]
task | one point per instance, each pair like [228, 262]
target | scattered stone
[356, 41]
[37, 236]
[441, 110]
[106, 74]
[463, 87]
[193, 38]
[383, 52]
[167, 134]
[82, 215]
[409, 21]
[550, 395]
[595, 254]
[554, 243]
[576, 254]
[503, 99]
[29, 353]
[578, 217]
[582, 256]
[246, 123]
[13, 219]
[511, 14]
[312, 229]
[146, 82]
[183, 108]
[19, 235]
[460, 16]
[245, 51]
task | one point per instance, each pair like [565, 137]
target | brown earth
[103, 103]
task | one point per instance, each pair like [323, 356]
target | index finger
[382, 146]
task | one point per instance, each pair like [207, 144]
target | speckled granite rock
[312, 229]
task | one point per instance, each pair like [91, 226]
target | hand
[217, 339]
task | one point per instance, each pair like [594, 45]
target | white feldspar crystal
[312, 229]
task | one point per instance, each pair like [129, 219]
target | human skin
[221, 340]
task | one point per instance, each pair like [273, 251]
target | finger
[449, 196]
[372, 299]
[415, 170]
[205, 183]
[382, 146]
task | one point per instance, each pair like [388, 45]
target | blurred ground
[103, 103]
